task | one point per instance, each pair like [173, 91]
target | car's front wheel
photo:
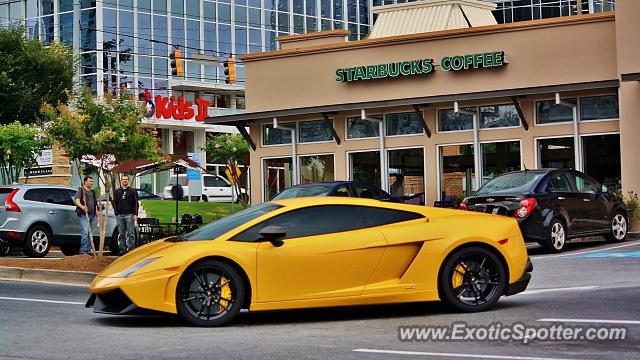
[37, 242]
[114, 245]
[556, 237]
[618, 228]
[5, 248]
[209, 293]
[472, 279]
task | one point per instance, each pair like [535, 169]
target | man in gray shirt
[86, 205]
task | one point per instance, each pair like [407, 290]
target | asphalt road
[592, 281]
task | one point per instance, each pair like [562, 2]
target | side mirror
[604, 189]
[274, 235]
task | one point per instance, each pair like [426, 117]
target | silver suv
[35, 217]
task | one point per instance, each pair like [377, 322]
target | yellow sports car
[320, 252]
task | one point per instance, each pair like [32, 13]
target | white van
[214, 188]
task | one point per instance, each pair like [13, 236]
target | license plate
[495, 210]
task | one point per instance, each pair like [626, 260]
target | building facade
[125, 44]
[449, 109]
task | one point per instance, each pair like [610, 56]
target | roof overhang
[243, 119]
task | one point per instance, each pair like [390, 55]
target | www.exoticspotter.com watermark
[519, 332]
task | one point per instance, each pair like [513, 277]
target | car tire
[618, 228]
[114, 246]
[472, 279]
[205, 285]
[69, 250]
[37, 242]
[556, 238]
[205, 198]
[5, 249]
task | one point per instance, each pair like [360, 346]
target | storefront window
[599, 107]
[406, 174]
[365, 166]
[457, 173]
[272, 136]
[602, 158]
[547, 112]
[278, 176]
[448, 120]
[314, 131]
[499, 158]
[316, 168]
[357, 128]
[496, 116]
[556, 153]
[403, 124]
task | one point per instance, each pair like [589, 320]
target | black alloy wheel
[209, 293]
[472, 279]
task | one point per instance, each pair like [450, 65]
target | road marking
[42, 301]
[454, 355]
[631, 254]
[593, 321]
[577, 288]
[584, 252]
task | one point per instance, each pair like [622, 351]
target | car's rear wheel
[69, 250]
[37, 242]
[556, 237]
[209, 293]
[472, 279]
[5, 248]
[205, 198]
[618, 228]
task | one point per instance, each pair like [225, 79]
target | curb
[57, 276]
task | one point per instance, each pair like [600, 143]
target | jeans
[126, 232]
[85, 245]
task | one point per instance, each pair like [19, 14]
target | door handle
[53, 212]
[586, 200]
[561, 198]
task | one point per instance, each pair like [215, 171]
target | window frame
[263, 134]
[597, 120]
[333, 154]
[346, 128]
[535, 111]
[480, 128]
[440, 131]
[385, 122]
[299, 133]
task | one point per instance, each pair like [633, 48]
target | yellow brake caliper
[458, 276]
[225, 293]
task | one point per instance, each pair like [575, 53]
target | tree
[31, 74]
[231, 150]
[106, 132]
[19, 148]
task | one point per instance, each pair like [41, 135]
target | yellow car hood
[151, 250]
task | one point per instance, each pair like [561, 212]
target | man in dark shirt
[125, 206]
[86, 206]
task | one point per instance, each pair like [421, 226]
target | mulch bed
[85, 263]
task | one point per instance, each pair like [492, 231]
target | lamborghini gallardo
[320, 252]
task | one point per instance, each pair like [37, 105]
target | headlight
[128, 272]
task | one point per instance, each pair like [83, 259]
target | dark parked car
[553, 205]
[359, 189]
[143, 194]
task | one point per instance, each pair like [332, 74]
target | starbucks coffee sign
[421, 66]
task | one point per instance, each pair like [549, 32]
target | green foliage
[631, 201]
[228, 149]
[19, 147]
[31, 74]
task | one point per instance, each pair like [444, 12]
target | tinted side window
[366, 192]
[586, 185]
[209, 181]
[559, 183]
[378, 216]
[220, 183]
[309, 221]
[39, 195]
[59, 197]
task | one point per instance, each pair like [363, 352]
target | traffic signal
[176, 62]
[230, 71]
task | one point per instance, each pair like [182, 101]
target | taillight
[463, 206]
[9, 205]
[526, 207]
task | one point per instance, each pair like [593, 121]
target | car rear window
[305, 191]
[514, 182]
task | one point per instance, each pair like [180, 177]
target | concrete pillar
[629, 98]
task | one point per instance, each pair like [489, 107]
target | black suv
[553, 205]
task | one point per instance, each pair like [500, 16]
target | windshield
[304, 191]
[513, 183]
[226, 224]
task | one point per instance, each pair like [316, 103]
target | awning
[243, 119]
[146, 167]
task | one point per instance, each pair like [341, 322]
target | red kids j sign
[167, 108]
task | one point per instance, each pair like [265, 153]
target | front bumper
[521, 284]
[114, 302]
